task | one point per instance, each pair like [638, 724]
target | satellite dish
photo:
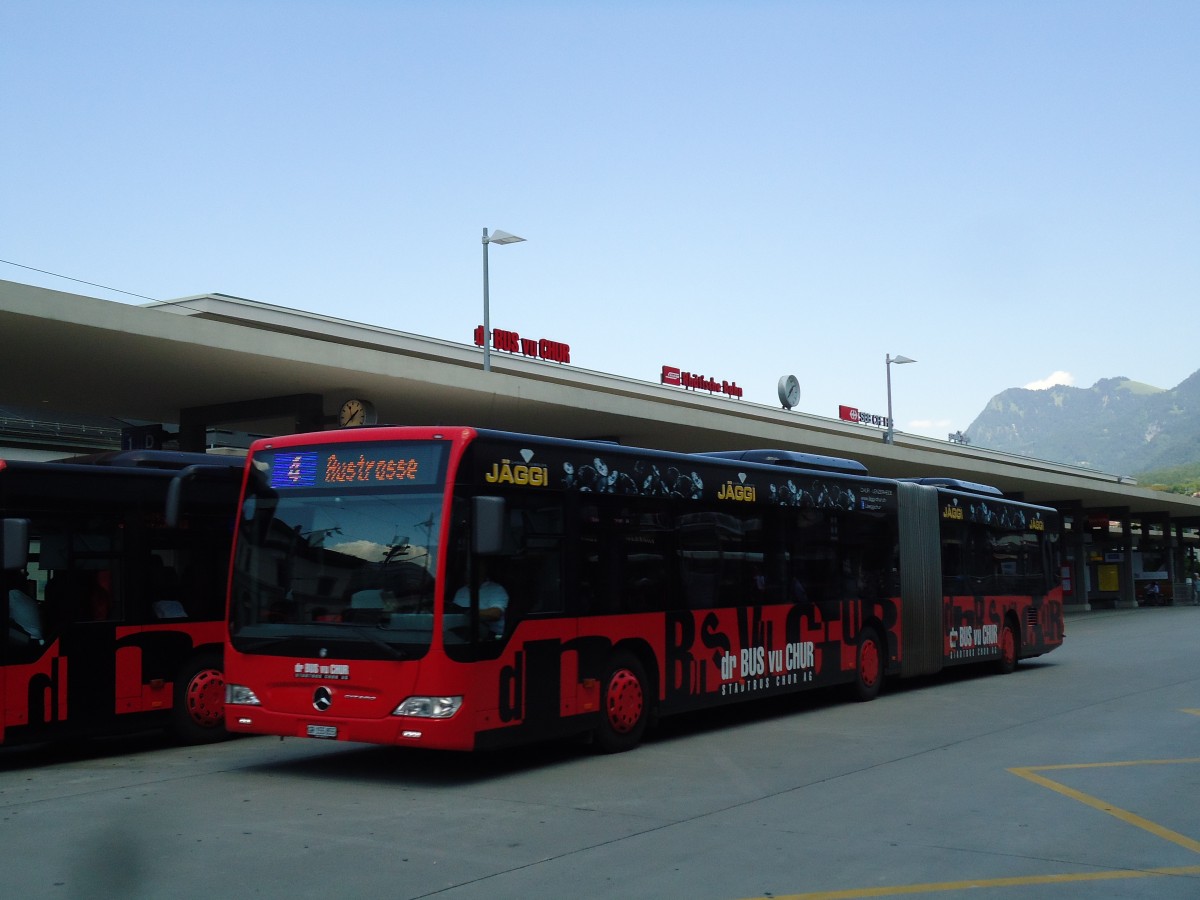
[789, 391]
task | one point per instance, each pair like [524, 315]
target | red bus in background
[114, 620]
[458, 588]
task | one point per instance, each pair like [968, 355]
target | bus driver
[493, 602]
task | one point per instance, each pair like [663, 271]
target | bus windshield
[349, 569]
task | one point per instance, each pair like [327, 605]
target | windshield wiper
[258, 643]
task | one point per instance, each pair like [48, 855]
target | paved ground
[1078, 776]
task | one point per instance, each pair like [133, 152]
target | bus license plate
[322, 731]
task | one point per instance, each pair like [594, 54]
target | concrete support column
[1127, 598]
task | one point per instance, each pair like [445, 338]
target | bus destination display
[357, 465]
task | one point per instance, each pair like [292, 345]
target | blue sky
[1007, 192]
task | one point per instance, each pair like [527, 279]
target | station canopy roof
[87, 356]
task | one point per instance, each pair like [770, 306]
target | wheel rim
[1008, 646]
[868, 665]
[625, 701]
[205, 698]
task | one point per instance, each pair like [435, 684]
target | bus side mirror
[487, 525]
[174, 501]
[222, 475]
[14, 544]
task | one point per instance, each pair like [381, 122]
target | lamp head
[501, 237]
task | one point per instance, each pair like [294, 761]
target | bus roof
[155, 459]
[792, 459]
[970, 487]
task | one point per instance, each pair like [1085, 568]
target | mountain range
[1117, 425]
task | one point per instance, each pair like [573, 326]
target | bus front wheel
[625, 706]
[869, 666]
[198, 713]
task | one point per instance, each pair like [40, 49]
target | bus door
[506, 577]
[64, 680]
[18, 609]
[34, 672]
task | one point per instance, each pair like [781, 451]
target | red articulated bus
[114, 618]
[458, 588]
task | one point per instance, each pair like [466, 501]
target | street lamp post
[889, 435]
[498, 237]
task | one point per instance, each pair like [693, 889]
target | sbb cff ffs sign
[852, 414]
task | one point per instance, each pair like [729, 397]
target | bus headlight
[429, 707]
[240, 695]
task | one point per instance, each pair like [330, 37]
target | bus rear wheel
[1008, 648]
[198, 714]
[624, 705]
[868, 670]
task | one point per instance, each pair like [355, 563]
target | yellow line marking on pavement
[1018, 881]
[1030, 773]
[1194, 712]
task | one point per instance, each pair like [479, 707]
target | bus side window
[25, 631]
[534, 569]
[29, 628]
[162, 582]
[620, 560]
[954, 560]
[768, 562]
[590, 568]
[80, 595]
[979, 562]
[81, 561]
[645, 547]
[811, 555]
[697, 560]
